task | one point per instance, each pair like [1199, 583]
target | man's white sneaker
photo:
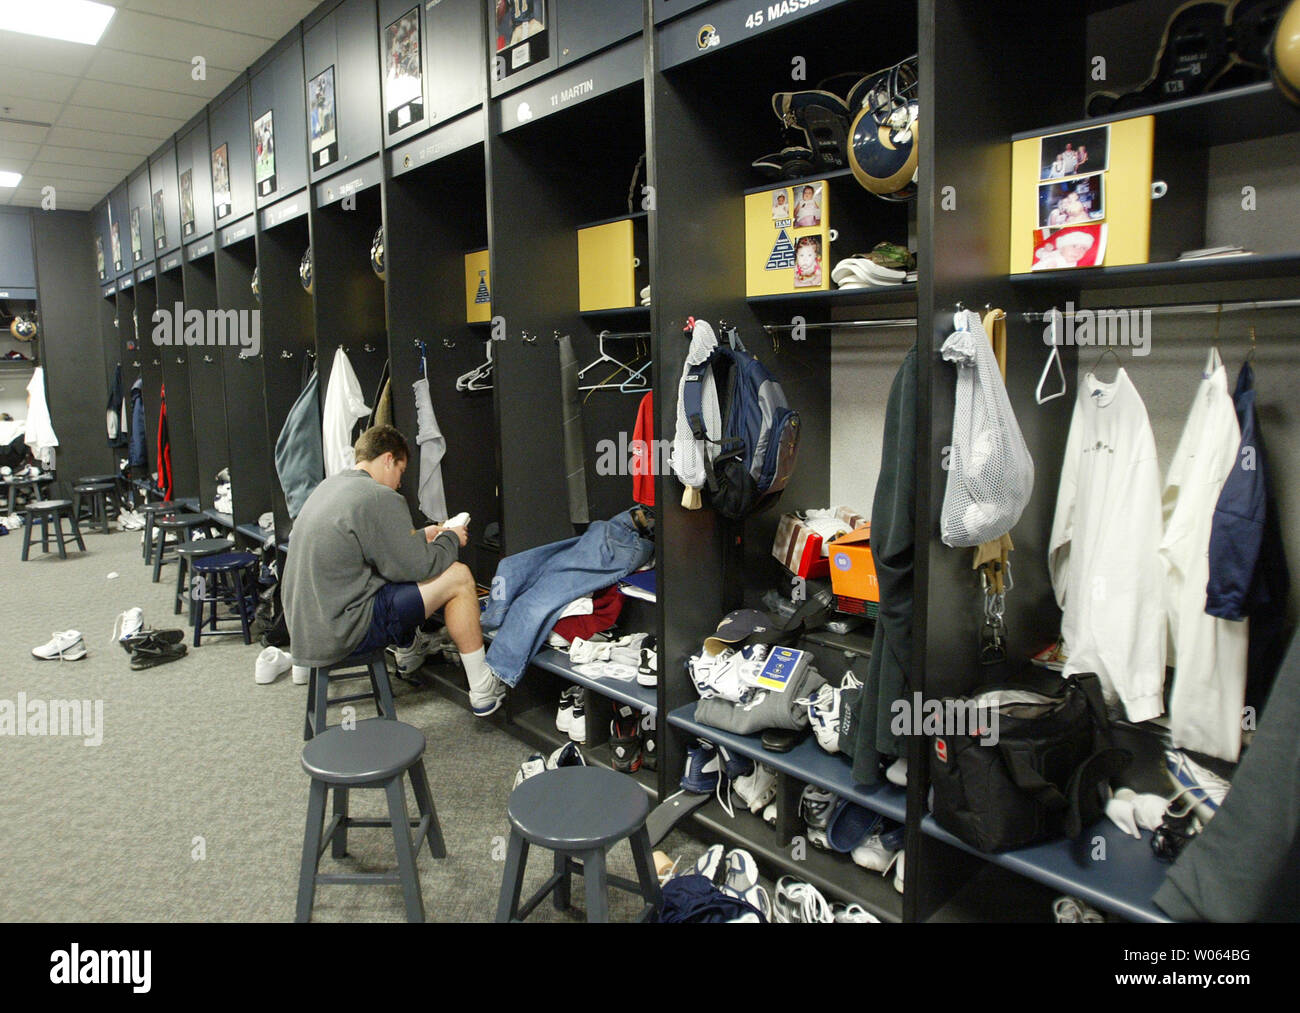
[301, 675]
[564, 715]
[65, 646]
[756, 790]
[872, 854]
[487, 697]
[271, 664]
[796, 901]
[852, 913]
[128, 622]
[578, 720]
[410, 658]
[897, 772]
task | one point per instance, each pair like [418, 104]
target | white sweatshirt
[1103, 555]
[344, 405]
[1208, 654]
[40, 429]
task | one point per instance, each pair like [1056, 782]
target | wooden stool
[229, 578]
[373, 666]
[34, 484]
[45, 510]
[186, 552]
[98, 494]
[184, 524]
[374, 754]
[579, 813]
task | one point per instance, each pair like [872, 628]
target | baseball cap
[735, 627]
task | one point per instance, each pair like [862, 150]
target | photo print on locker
[522, 37]
[403, 79]
[116, 236]
[1072, 246]
[99, 257]
[1073, 202]
[187, 202]
[782, 212]
[221, 181]
[159, 228]
[808, 262]
[1074, 153]
[321, 125]
[137, 241]
[808, 206]
[264, 144]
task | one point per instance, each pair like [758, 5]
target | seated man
[359, 578]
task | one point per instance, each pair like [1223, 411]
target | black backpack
[1044, 777]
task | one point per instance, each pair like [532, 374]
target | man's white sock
[477, 672]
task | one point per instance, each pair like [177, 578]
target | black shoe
[155, 647]
[624, 745]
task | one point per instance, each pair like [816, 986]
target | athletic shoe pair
[824, 711]
[571, 717]
[797, 901]
[568, 755]
[130, 520]
[273, 663]
[632, 739]
[735, 873]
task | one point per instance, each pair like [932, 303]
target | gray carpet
[193, 806]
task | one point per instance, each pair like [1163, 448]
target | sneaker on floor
[624, 744]
[740, 871]
[127, 623]
[649, 741]
[271, 664]
[712, 864]
[756, 790]
[1202, 787]
[65, 646]
[531, 767]
[156, 647]
[897, 772]
[703, 769]
[796, 901]
[852, 913]
[1069, 909]
[578, 720]
[410, 658]
[301, 675]
[568, 755]
[564, 715]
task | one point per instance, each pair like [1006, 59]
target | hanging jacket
[687, 456]
[138, 455]
[164, 448]
[40, 429]
[382, 413]
[433, 446]
[893, 522]
[1209, 654]
[299, 458]
[643, 461]
[1248, 569]
[115, 417]
[344, 406]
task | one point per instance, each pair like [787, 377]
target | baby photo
[808, 206]
[1074, 202]
[781, 211]
[808, 262]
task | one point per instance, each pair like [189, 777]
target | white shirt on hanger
[1103, 554]
[1208, 654]
[344, 405]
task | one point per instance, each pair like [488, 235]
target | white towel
[433, 446]
[344, 405]
[40, 430]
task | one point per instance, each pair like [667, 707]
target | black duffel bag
[1044, 778]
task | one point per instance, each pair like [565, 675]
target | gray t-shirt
[353, 536]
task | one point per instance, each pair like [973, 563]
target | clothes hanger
[604, 357]
[474, 379]
[1053, 356]
[1096, 365]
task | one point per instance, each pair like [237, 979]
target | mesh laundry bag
[990, 472]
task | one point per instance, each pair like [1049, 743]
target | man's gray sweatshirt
[353, 536]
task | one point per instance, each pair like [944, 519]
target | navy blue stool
[184, 525]
[579, 813]
[95, 502]
[372, 666]
[187, 551]
[41, 512]
[229, 578]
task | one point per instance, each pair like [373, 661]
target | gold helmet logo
[707, 37]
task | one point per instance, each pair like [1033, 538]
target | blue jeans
[532, 588]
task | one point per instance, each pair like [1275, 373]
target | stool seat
[577, 808]
[374, 750]
[94, 486]
[49, 504]
[177, 520]
[89, 479]
[204, 547]
[224, 562]
[42, 512]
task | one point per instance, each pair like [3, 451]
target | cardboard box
[853, 570]
[799, 548]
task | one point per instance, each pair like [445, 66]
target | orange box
[853, 570]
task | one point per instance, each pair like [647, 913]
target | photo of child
[781, 207]
[1074, 153]
[1080, 246]
[1071, 203]
[159, 230]
[808, 262]
[808, 206]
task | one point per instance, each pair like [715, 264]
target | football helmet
[255, 286]
[883, 148]
[304, 271]
[1284, 53]
[377, 254]
[23, 327]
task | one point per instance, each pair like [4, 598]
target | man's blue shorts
[398, 610]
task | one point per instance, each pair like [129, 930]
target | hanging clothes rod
[614, 335]
[1178, 309]
[832, 324]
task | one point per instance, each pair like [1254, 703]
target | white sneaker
[898, 872]
[872, 854]
[410, 658]
[564, 715]
[756, 790]
[797, 901]
[816, 805]
[65, 646]
[128, 622]
[301, 675]
[824, 711]
[769, 814]
[852, 913]
[271, 664]
[578, 720]
[897, 772]
[1069, 909]
[486, 698]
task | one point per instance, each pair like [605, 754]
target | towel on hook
[344, 405]
[575, 464]
[433, 446]
[40, 430]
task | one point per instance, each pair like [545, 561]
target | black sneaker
[624, 744]
[649, 742]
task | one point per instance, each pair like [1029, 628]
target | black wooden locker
[279, 111]
[140, 216]
[119, 228]
[165, 208]
[17, 269]
[667, 9]
[339, 57]
[194, 179]
[230, 143]
[588, 26]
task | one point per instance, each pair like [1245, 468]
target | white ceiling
[100, 111]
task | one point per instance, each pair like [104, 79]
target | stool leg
[400, 818]
[158, 554]
[339, 842]
[180, 584]
[311, 705]
[593, 882]
[45, 532]
[383, 689]
[196, 604]
[27, 532]
[322, 701]
[58, 534]
[424, 801]
[76, 534]
[242, 597]
[101, 504]
[562, 896]
[512, 882]
[645, 867]
[76, 504]
[311, 851]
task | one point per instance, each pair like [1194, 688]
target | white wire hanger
[1053, 356]
[480, 377]
[635, 375]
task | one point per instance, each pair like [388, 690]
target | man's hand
[462, 534]
[434, 530]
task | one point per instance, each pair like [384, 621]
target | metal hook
[367, 347]
[529, 339]
[448, 343]
[208, 358]
[286, 354]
